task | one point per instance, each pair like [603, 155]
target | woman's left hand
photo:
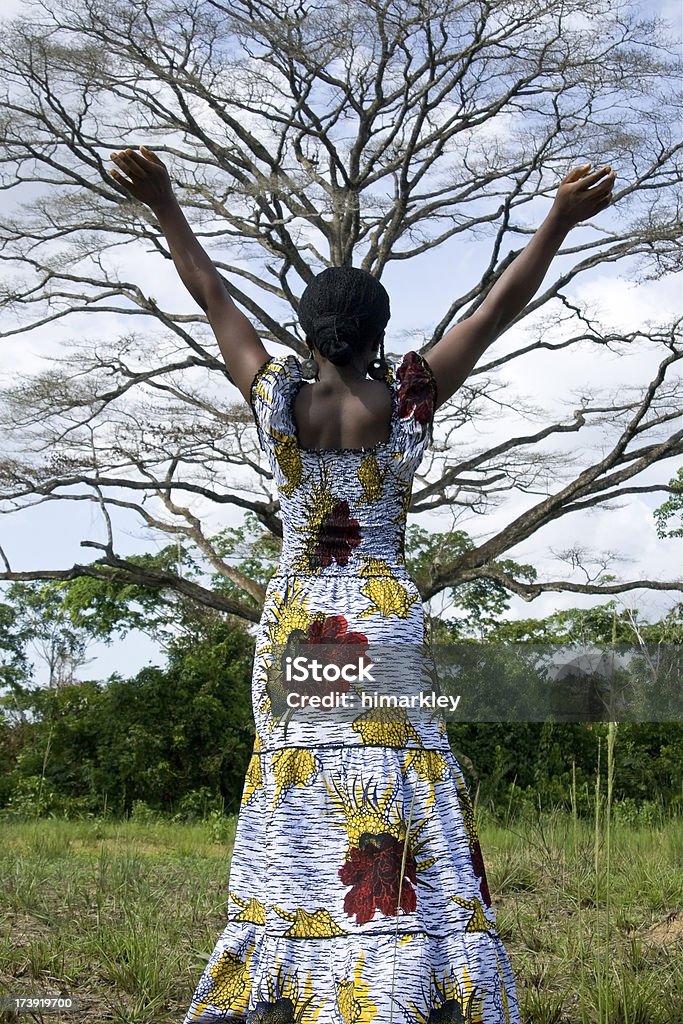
[582, 194]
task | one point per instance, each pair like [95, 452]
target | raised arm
[145, 177]
[580, 196]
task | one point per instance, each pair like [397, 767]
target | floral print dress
[357, 889]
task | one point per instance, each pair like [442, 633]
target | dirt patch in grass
[23, 928]
[665, 932]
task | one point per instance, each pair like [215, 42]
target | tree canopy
[303, 135]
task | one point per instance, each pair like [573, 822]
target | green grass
[585, 946]
[124, 915]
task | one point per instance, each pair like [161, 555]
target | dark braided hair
[342, 310]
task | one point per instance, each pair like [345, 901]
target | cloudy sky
[49, 536]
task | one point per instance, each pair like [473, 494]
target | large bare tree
[300, 135]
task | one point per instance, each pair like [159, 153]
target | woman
[357, 888]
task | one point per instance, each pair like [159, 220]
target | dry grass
[124, 916]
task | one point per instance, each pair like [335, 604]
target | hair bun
[337, 336]
[343, 310]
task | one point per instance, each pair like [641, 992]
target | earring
[309, 367]
[377, 369]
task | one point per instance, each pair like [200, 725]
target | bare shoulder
[378, 395]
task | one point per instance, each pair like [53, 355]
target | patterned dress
[357, 888]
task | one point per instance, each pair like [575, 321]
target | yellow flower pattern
[430, 766]
[289, 461]
[456, 998]
[370, 477]
[478, 922]
[293, 767]
[353, 997]
[387, 727]
[253, 910]
[228, 985]
[310, 925]
[254, 778]
[388, 596]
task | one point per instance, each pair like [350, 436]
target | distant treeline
[177, 739]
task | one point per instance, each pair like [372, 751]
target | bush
[143, 814]
[198, 805]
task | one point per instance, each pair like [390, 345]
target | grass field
[123, 916]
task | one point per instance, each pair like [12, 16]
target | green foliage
[171, 731]
[601, 624]
[42, 620]
[30, 797]
[109, 608]
[142, 814]
[198, 805]
[255, 550]
[517, 764]
[176, 740]
[481, 602]
[152, 739]
[671, 509]
[14, 636]
[527, 763]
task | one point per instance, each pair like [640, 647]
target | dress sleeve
[272, 391]
[416, 403]
[272, 395]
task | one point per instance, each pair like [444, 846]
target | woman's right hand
[144, 176]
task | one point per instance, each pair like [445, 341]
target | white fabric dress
[357, 888]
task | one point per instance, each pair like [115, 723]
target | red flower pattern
[373, 871]
[333, 629]
[345, 649]
[338, 534]
[416, 390]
